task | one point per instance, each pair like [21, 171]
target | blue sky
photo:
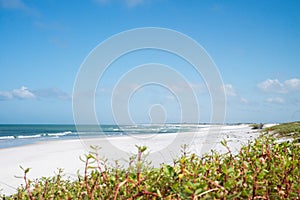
[255, 45]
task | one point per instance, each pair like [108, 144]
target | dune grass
[285, 130]
[263, 169]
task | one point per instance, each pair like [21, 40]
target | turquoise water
[17, 135]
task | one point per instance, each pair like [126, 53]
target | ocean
[13, 135]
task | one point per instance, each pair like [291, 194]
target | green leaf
[168, 170]
[198, 191]
[27, 170]
[187, 189]
[224, 169]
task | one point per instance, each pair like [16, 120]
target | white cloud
[5, 95]
[276, 100]
[244, 100]
[234, 96]
[292, 84]
[275, 86]
[229, 90]
[22, 93]
[272, 85]
[25, 93]
[54, 93]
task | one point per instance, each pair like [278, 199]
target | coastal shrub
[257, 126]
[263, 169]
[290, 130]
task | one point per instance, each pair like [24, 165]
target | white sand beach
[45, 158]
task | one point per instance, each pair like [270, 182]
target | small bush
[257, 126]
[263, 169]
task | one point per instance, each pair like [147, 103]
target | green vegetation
[286, 130]
[256, 126]
[263, 169]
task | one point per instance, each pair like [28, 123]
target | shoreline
[46, 157]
